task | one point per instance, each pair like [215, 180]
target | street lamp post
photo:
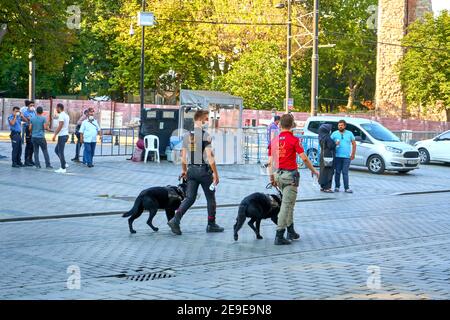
[315, 54]
[315, 61]
[288, 51]
[288, 58]
[142, 63]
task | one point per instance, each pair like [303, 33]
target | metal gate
[117, 142]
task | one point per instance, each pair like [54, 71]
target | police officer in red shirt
[283, 152]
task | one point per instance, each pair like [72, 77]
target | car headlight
[393, 150]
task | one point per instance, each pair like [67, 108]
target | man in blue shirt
[15, 125]
[345, 153]
[88, 136]
[38, 125]
[26, 118]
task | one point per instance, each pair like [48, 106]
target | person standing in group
[273, 129]
[83, 117]
[199, 167]
[15, 126]
[62, 132]
[27, 115]
[283, 151]
[345, 153]
[88, 136]
[38, 126]
[327, 154]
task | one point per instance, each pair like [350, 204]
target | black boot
[174, 224]
[214, 227]
[280, 239]
[291, 234]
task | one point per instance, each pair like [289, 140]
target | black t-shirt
[195, 143]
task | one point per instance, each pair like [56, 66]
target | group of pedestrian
[30, 125]
[337, 150]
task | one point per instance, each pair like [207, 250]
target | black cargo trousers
[199, 175]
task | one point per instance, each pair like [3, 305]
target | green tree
[40, 25]
[258, 77]
[353, 59]
[425, 68]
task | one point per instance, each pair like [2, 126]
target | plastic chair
[149, 143]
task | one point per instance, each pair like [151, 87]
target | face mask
[205, 126]
[91, 118]
[32, 109]
[18, 114]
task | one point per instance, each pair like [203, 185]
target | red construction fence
[117, 115]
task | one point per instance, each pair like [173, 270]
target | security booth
[161, 123]
[225, 122]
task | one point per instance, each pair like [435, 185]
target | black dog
[257, 206]
[152, 199]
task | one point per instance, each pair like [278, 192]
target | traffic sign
[290, 103]
[146, 19]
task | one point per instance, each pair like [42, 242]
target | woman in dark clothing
[327, 150]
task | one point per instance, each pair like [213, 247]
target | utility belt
[13, 133]
[200, 168]
[294, 173]
[203, 165]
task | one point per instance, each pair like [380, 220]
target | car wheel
[424, 156]
[375, 164]
[313, 156]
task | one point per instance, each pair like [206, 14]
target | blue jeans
[88, 153]
[59, 150]
[341, 165]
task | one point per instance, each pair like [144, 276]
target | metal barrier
[117, 142]
[256, 149]
[412, 137]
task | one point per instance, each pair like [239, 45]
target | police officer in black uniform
[198, 169]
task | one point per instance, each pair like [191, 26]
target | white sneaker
[60, 170]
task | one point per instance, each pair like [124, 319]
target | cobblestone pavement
[373, 244]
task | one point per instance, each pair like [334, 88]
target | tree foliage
[425, 68]
[258, 77]
[233, 45]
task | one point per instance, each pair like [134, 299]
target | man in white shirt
[88, 136]
[62, 131]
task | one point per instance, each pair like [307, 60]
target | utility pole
[31, 74]
[315, 61]
[142, 63]
[288, 57]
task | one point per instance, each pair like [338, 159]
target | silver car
[377, 148]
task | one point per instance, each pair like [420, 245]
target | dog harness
[273, 203]
[173, 197]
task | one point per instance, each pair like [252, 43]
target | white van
[377, 148]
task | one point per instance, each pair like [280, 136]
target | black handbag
[328, 162]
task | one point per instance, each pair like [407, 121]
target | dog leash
[270, 186]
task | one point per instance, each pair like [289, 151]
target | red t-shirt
[284, 149]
